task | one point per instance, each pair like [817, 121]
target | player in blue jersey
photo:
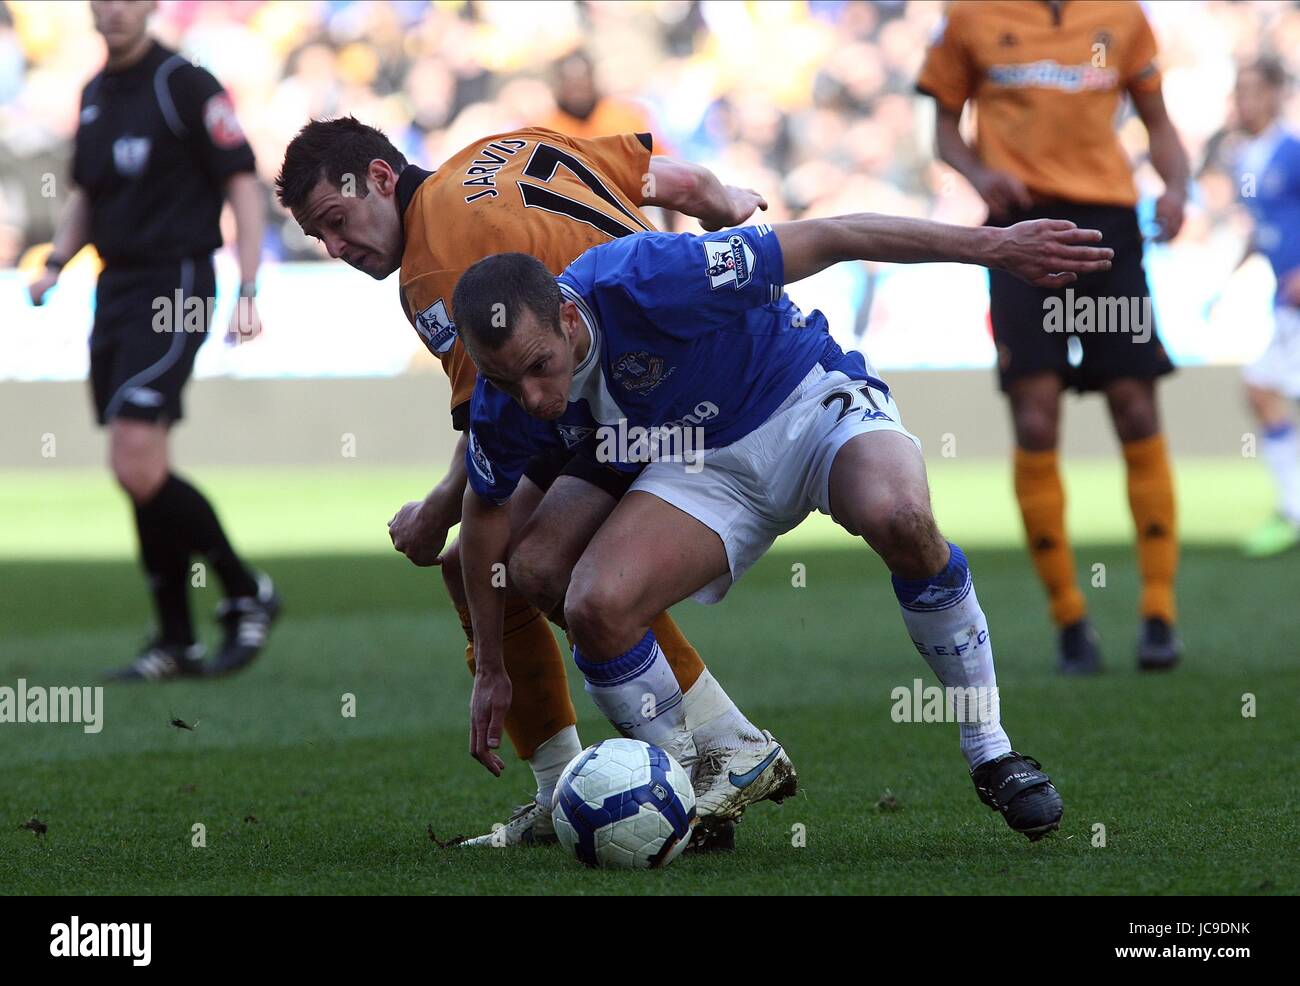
[1269, 179]
[650, 339]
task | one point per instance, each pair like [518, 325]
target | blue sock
[639, 695]
[946, 624]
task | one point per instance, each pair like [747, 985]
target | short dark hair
[517, 283]
[1271, 70]
[330, 149]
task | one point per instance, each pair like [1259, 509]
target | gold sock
[541, 705]
[682, 657]
[1042, 509]
[1151, 499]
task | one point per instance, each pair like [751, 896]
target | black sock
[187, 512]
[166, 561]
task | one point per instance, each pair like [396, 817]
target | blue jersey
[687, 332]
[1270, 168]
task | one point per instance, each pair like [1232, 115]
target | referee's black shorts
[1018, 310]
[149, 324]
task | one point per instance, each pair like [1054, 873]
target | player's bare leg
[878, 491]
[1035, 415]
[1136, 416]
[1280, 448]
[554, 537]
[647, 556]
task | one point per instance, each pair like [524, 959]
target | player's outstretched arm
[695, 191]
[419, 529]
[484, 542]
[72, 234]
[1049, 253]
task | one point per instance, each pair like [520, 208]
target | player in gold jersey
[1046, 81]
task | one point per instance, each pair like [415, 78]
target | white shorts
[754, 490]
[1278, 368]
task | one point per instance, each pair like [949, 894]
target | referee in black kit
[157, 149]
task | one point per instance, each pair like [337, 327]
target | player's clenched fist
[417, 533]
[1050, 253]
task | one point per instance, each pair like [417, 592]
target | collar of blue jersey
[411, 178]
[592, 360]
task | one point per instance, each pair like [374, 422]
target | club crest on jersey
[436, 328]
[482, 464]
[131, 155]
[574, 434]
[731, 262]
[640, 372]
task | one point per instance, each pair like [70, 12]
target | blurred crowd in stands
[810, 102]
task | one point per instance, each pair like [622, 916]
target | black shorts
[1033, 332]
[581, 463]
[149, 324]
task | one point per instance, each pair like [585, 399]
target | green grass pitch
[295, 798]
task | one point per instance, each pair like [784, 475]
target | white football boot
[528, 825]
[729, 780]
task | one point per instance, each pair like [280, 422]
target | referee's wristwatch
[248, 289]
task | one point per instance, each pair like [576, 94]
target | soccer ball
[625, 804]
